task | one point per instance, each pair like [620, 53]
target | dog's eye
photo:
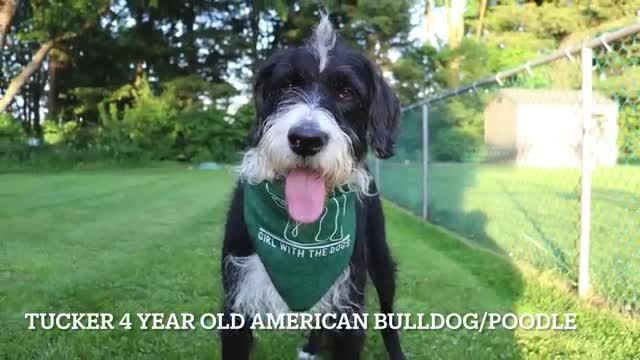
[286, 86]
[345, 93]
[292, 81]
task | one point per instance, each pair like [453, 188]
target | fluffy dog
[320, 107]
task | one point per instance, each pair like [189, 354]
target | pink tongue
[305, 193]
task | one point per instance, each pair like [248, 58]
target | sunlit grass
[148, 240]
[534, 215]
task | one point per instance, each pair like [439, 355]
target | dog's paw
[303, 355]
[398, 356]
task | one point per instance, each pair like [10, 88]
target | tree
[178, 56]
[7, 11]
[483, 11]
[52, 24]
[420, 71]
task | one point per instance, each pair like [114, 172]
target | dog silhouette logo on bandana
[302, 260]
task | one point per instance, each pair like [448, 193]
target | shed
[543, 128]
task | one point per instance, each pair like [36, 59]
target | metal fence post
[425, 161]
[586, 171]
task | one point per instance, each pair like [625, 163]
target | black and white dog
[319, 108]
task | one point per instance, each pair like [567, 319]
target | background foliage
[512, 33]
[154, 79]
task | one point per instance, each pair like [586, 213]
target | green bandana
[302, 260]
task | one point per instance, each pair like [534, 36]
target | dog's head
[319, 108]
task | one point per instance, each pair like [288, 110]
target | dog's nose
[307, 139]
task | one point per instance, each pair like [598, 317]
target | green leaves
[52, 18]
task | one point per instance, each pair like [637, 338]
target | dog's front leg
[236, 343]
[382, 271]
[347, 344]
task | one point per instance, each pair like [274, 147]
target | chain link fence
[615, 230]
[505, 162]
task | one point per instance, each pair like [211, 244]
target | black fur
[364, 106]
[369, 112]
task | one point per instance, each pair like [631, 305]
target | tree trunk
[255, 34]
[455, 35]
[191, 52]
[428, 17]
[55, 65]
[455, 23]
[18, 82]
[139, 76]
[483, 11]
[279, 40]
[7, 11]
[142, 29]
[36, 85]
[26, 114]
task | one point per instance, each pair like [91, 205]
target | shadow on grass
[438, 273]
[444, 275]
[560, 258]
[615, 239]
[611, 197]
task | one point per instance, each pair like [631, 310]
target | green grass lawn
[534, 215]
[148, 240]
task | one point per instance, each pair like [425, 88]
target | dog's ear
[384, 116]
[260, 84]
[261, 101]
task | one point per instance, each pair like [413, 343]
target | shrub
[143, 128]
[454, 144]
[113, 136]
[12, 137]
[152, 127]
[629, 138]
[212, 135]
[456, 128]
[52, 133]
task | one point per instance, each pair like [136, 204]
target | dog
[320, 107]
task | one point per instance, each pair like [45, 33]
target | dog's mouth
[305, 192]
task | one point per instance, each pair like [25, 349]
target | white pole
[425, 161]
[587, 167]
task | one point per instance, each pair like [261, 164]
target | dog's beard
[272, 158]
